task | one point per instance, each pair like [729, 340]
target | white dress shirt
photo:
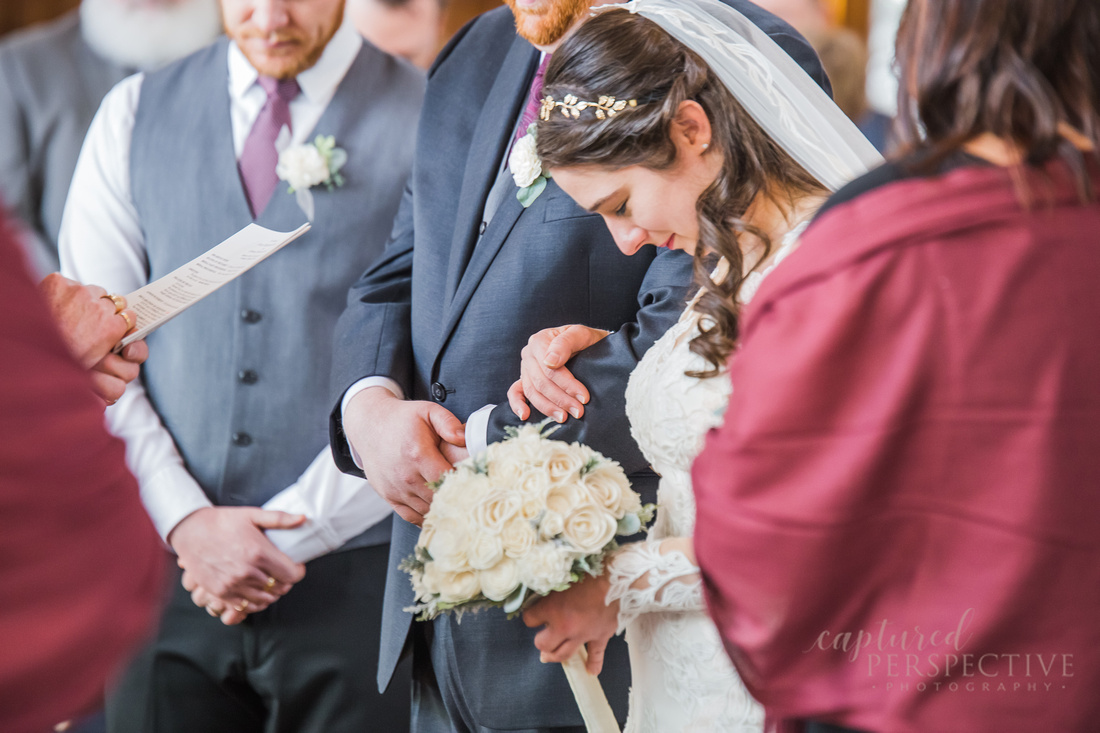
[101, 242]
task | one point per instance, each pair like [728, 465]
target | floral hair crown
[605, 106]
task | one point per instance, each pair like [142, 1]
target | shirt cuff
[337, 508]
[170, 496]
[358, 387]
[477, 430]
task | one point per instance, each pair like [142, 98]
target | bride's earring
[706, 145]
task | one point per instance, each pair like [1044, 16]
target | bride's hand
[574, 617]
[544, 381]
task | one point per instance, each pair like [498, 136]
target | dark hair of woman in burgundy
[627, 56]
[1021, 70]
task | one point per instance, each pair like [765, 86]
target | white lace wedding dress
[682, 678]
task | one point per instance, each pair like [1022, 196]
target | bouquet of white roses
[527, 517]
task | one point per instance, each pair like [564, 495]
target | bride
[684, 127]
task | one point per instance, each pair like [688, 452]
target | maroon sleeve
[80, 563]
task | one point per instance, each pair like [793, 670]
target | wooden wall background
[18, 13]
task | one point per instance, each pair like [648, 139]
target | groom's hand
[402, 445]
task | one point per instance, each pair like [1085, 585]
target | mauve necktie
[258, 157]
[534, 101]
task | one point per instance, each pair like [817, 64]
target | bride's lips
[668, 242]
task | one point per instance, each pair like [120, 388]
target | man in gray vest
[52, 79]
[227, 432]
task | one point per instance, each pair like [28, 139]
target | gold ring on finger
[212, 612]
[118, 300]
[270, 583]
[129, 321]
[239, 608]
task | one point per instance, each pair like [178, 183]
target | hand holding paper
[160, 301]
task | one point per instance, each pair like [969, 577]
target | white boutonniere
[313, 164]
[526, 167]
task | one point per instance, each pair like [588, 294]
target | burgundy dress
[80, 563]
[899, 521]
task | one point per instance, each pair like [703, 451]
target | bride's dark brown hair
[628, 56]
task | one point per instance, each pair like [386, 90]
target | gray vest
[241, 379]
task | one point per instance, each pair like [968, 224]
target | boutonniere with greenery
[526, 167]
[313, 164]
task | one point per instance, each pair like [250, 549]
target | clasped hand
[229, 565]
[404, 446]
[544, 381]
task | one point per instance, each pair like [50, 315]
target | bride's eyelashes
[621, 211]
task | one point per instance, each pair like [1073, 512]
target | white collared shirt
[101, 242]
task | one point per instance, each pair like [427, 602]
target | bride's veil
[768, 83]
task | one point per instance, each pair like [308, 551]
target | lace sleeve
[645, 579]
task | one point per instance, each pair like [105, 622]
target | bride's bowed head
[685, 126]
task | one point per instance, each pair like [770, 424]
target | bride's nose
[628, 237]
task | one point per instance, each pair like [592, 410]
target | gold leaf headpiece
[572, 107]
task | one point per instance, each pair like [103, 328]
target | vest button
[248, 376]
[242, 439]
[250, 316]
[481, 229]
[439, 392]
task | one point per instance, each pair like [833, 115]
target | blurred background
[854, 37]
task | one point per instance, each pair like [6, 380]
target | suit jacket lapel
[491, 137]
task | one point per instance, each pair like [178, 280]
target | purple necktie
[534, 101]
[258, 157]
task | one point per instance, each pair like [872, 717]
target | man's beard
[148, 36]
[546, 28]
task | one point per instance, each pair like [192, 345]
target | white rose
[458, 587]
[545, 568]
[429, 580]
[499, 581]
[495, 509]
[589, 528]
[302, 166]
[563, 498]
[505, 471]
[485, 551]
[529, 448]
[606, 485]
[551, 526]
[534, 482]
[449, 543]
[518, 537]
[531, 506]
[524, 161]
[563, 463]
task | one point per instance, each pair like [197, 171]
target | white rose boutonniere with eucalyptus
[312, 164]
[526, 167]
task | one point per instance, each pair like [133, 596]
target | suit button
[248, 376]
[439, 392]
[481, 229]
[250, 316]
[242, 439]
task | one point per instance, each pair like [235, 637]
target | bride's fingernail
[575, 412]
[581, 398]
[559, 416]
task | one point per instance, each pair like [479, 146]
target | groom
[432, 336]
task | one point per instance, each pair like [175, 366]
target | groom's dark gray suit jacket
[446, 312]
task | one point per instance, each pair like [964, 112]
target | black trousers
[307, 664]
